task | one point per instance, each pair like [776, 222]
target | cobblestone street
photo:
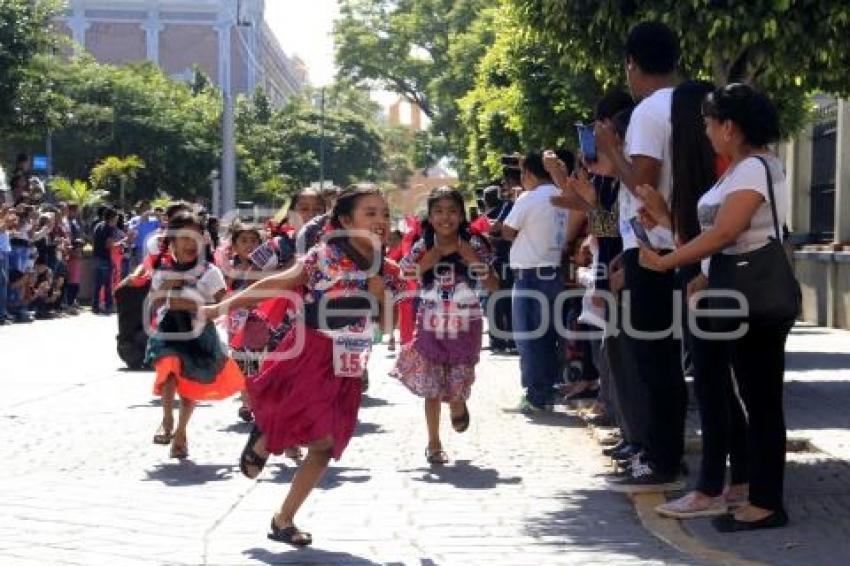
[83, 484]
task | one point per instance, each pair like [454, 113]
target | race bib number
[351, 353]
[443, 321]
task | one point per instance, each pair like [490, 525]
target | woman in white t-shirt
[736, 218]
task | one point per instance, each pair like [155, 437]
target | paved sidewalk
[82, 483]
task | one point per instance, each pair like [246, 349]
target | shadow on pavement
[810, 361]
[305, 556]
[463, 475]
[240, 427]
[334, 476]
[368, 402]
[157, 402]
[601, 521]
[187, 472]
[368, 428]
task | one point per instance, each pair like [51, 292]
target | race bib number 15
[351, 354]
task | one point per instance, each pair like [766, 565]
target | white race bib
[351, 352]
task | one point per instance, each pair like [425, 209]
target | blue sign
[39, 163]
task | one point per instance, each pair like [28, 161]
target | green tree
[424, 50]
[524, 97]
[788, 48]
[116, 173]
[25, 32]
[78, 192]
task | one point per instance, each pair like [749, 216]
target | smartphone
[586, 142]
[640, 232]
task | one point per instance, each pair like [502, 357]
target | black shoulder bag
[764, 276]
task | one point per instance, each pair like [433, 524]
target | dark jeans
[71, 292]
[722, 419]
[502, 315]
[658, 361]
[102, 280]
[4, 283]
[537, 355]
[759, 363]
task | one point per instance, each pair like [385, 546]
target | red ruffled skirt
[299, 400]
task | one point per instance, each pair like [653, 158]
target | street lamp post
[322, 144]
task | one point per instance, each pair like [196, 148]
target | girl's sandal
[461, 423]
[179, 451]
[246, 414]
[163, 436]
[290, 535]
[251, 458]
[436, 456]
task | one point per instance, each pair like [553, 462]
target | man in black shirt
[103, 238]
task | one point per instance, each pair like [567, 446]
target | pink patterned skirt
[440, 366]
[299, 400]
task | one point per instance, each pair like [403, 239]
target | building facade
[228, 39]
[817, 164]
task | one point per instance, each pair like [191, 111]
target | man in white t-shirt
[652, 59]
[539, 234]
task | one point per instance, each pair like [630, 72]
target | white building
[228, 39]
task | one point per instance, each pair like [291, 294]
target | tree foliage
[524, 97]
[77, 192]
[424, 50]
[25, 33]
[788, 48]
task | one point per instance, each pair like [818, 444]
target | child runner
[246, 337]
[439, 364]
[309, 394]
[195, 368]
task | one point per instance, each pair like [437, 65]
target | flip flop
[461, 423]
[436, 457]
[290, 535]
[163, 438]
[251, 458]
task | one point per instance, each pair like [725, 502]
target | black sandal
[461, 423]
[290, 535]
[163, 438]
[246, 414]
[436, 456]
[251, 458]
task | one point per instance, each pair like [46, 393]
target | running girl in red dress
[439, 363]
[308, 392]
[192, 365]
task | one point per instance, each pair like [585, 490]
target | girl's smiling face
[445, 217]
[371, 214]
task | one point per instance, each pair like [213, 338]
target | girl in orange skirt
[308, 392]
[188, 358]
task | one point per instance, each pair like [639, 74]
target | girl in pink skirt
[308, 390]
[439, 364]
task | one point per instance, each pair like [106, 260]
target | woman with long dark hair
[741, 218]
[722, 421]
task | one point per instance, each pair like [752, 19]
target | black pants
[649, 306]
[628, 395]
[758, 360]
[722, 419]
